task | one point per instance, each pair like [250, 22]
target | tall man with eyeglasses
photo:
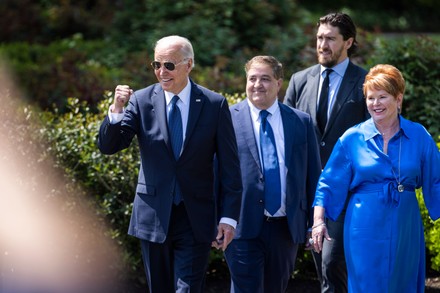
[180, 127]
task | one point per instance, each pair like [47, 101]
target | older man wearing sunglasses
[180, 127]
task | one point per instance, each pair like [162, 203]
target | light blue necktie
[176, 135]
[272, 182]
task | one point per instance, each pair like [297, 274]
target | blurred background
[61, 61]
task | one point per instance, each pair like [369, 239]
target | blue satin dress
[383, 232]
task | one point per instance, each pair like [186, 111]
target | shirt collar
[256, 112]
[339, 68]
[184, 95]
[371, 131]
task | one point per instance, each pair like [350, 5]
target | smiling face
[382, 106]
[172, 81]
[331, 48]
[261, 85]
[383, 89]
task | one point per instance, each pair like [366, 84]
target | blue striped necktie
[272, 182]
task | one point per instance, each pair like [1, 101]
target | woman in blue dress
[378, 164]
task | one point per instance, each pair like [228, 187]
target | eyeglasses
[168, 65]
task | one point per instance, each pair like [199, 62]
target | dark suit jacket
[349, 108]
[302, 162]
[209, 132]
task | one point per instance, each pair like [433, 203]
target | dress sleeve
[431, 179]
[334, 182]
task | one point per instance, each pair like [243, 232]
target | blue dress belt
[390, 190]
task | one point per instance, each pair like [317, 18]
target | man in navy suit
[344, 106]
[180, 127]
[262, 256]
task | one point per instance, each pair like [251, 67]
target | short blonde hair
[385, 77]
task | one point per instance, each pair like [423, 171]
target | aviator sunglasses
[168, 65]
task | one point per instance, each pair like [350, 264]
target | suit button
[322, 143]
[260, 201]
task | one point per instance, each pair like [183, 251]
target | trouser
[265, 263]
[180, 263]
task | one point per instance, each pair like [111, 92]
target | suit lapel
[245, 130]
[196, 101]
[159, 104]
[288, 123]
[313, 79]
[348, 81]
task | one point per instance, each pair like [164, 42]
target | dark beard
[332, 62]
[327, 63]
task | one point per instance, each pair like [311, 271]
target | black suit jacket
[209, 132]
[349, 108]
[302, 162]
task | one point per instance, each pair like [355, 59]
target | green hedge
[432, 233]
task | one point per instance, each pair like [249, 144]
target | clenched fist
[122, 95]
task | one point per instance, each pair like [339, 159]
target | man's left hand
[225, 235]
